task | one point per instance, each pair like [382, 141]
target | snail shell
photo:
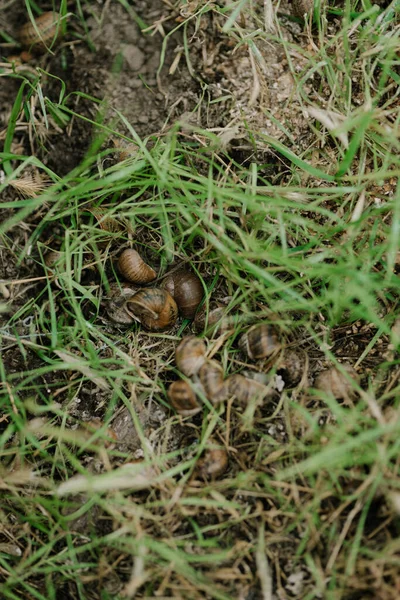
[48, 29]
[302, 7]
[211, 376]
[154, 308]
[334, 383]
[116, 306]
[132, 266]
[213, 463]
[183, 399]
[52, 258]
[190, 355]
[14, 60]
[215, 319]
[244, 389]
[260, 341]
[186, 289]
[293, 366]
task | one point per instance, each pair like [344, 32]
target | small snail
[302, 7]
[211, 376]
[211, 321]
[183, 399]
[260, 341]
[213, 463]
[186, 289]
[154, 308]
[52, 258]
[132, 266]
[292, 367]
[14, 60]
[244, 389]
[334, 383]
[116, 306]
[190, 355]
[46, 30]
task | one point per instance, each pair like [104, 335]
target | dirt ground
[147, 78]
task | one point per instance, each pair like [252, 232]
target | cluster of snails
[156, 308]
[205, 377]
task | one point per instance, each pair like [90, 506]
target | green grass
[314, 248]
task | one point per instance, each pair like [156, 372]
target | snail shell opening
[154, 308]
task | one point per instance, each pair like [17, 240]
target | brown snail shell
[211, 376]
[14, 60]
[132, 266]
[154, 308]
[47, 31]
[186, 289]
[116, 306]
[244, 389]
[334, 383]
[52, 258]
[293, 366]
[302, 7]
[183, 399]
[190, 355]
[260, 341]
[213, 463]
[211, 321]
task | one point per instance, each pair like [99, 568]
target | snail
[334, 383]
[244, 389]
[154, 308]
[260, 341]
[43, 32]
[132, 266]
[293, 366]
[213, 463]
[52, 258]
[211, 376]
[183, 399]
[303, 7]
[116, 306]
[211, 321]
[190, 355]
[186, 289]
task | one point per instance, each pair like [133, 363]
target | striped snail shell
[190, 355]
[211, 376]
[260, 341]
[186, 289]
[183, 399]
[244, 389]
[154, 308]
[44, 32]
[132, 266]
